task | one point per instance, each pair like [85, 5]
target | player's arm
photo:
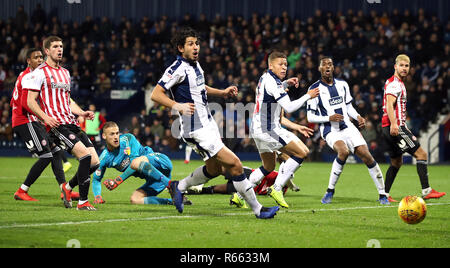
[96, 184]
[314, 116]
[230, 91]
[351, 111]
[112, 184]
[292, 106]
[76, 110]
[33, 105]
[390, 110]
[305, 131]
[159, 96]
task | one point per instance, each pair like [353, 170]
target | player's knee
[136, 198]
[236, 167]
[343, 154]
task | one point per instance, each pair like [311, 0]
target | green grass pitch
[354, 219]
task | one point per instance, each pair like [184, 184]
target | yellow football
[412, 209]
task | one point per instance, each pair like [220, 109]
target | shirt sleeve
[313, 113]
[98, 176]
[171, 77]
[348, 96]
[275, 89]
[393, 89]
[33, 81]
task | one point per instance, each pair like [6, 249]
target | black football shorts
[35, 138]
[405, 142]
[66, 136]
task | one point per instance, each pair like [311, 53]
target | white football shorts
[350, 135]
[205, 141]
[268, 142]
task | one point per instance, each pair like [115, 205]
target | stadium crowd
[133, 54]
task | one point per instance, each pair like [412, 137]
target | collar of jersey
[325, 84]
[274, 76]
[185, 60]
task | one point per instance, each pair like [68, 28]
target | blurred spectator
[6, 132]
[126, 76]
[103, 83]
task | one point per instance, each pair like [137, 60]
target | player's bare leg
[140, 197]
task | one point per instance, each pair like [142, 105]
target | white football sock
[256, 176]
[24, 187]
[285, 172]
[188, 152]
[245, 188]
[196, 178]
[377, 177]
[336, 170]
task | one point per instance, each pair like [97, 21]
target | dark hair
[323, 58]
[49, 40]
[31, 51]
[179, 39]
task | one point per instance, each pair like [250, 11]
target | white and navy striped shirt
[186, 83]
[331, 100]
[267, 111]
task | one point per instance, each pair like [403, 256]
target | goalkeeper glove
[112, 184]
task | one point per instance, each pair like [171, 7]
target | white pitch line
[192, 216]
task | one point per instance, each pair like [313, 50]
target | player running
[127, 155]
[33, 133]
[50, 82]
[398, 137]
[266, 127]
[332, 110]
[185, 81]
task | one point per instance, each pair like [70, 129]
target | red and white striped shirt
[54, 87]
[20, 114]
[395, 87]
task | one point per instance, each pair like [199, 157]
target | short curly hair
[179, 39]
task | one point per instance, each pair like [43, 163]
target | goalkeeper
[127, 155]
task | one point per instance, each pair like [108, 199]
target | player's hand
[51, 122]
[99, 200]
[184, 108]
[394, 130]
[293, 82]
[305, 131]
[111, 184]
[230, 92]
[313, 92]
[336, 118]
[89, 115]
[361, 122]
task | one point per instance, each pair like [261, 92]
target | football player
[332, 109]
